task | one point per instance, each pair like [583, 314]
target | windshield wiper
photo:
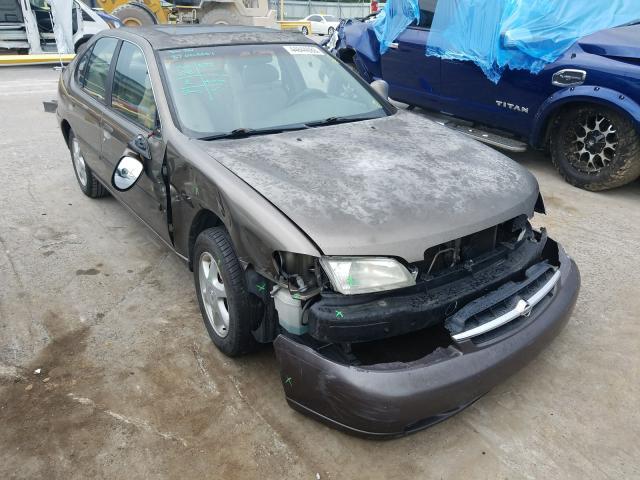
[248, 132]
[336, 120]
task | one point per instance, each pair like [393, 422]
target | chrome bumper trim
[522, 309]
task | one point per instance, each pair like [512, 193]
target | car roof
[185, 36]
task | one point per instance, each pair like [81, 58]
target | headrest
[260, 73]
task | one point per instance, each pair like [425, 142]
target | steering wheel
[307, 94]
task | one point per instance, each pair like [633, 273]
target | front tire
[330, 31]
[595, 148]
[229, 311]
[89, 185]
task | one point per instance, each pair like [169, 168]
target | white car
[321, 24]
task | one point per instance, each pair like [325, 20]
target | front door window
[131, 95]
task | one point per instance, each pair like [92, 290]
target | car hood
[614, 42]
[392, 186]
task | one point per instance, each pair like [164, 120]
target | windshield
[331, 18]
[219, 90]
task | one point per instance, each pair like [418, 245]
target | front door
[413, 77]
[132, 113]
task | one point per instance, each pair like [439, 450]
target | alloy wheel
[78, 162]
[593, 143]
[213, 294]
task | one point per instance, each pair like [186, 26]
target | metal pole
[281, 10]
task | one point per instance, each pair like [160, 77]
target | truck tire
[229, 311]
[595, 148]
[134, 15]
[88, 183]
[223, 15]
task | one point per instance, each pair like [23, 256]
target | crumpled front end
[394, 364]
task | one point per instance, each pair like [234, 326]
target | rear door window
[427, 10]
[82, 65]
[94, 77]
[131, 94]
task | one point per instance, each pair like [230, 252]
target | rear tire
[595, 148]
[133, 15]
[305, 31]
[229, 311]
[89, 185]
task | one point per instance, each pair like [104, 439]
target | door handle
[393, 45]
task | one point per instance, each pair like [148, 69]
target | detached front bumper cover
[394, 399]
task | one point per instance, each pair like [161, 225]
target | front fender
[582, 94]
[256, 227]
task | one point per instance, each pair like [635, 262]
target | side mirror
[127, 173]
[381, 88]
[140, 145]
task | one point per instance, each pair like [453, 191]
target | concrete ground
[130, 385]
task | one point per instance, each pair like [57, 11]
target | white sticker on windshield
[302, 50]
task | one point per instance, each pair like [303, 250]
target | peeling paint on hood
[392, 186]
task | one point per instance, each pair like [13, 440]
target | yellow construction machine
[150, 12]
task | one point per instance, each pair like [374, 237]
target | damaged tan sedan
[391, 262]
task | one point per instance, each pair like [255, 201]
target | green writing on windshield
[200, 78]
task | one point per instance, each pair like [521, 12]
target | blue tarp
[394, 18]
[519, 34]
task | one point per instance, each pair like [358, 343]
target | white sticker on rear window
[302, 50]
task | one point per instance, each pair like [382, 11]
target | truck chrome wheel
[214, 295]
[595, 143]
[78, 162]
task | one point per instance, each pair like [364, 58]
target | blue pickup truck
[584, 108]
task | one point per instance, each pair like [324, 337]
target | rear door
[511, 104]
[413, 77]
[133, 112]
[85, 117]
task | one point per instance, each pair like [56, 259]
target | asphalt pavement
[106, 370]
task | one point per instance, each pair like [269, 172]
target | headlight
[352, 275]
